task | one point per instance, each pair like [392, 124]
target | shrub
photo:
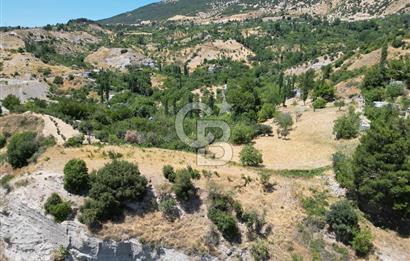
[325, 91]
[267, 111]
[263, 130]
[75, 141]
[319, 103]
[95, 211]
[76, 179]
[342, 166]
[169, 173]
[225, 223]
[21, 148]
[394, 90]
[58, 208]
[250, 156]
[58, 80]
[11, 103]
[260, 251]
[362, 242]
[120, 179]
[342, 220]
[168, 207]
[242, 134]
[3, 141]
[348, 126]
[285, 123]
[183, 187]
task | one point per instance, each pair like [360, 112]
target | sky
[41, 12]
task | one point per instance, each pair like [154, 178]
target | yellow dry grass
[311, 143]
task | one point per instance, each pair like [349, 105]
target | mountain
[212, 8]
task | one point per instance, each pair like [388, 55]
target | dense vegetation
[110, 188]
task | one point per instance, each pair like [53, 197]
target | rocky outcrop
[29, 234]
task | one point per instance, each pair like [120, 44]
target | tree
[347, 126]
[381, 167]
[76, 179]
[250, 156]
[139, 82]
[383, 57]
[121, 179]
[343, 221]
[183, 187]
[11, 103]
[21, 148]
[307, 83]
[285, 123]
[104, 81]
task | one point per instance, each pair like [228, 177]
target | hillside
[215, 8]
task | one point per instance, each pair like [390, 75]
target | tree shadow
[147, 204]
[192, 205]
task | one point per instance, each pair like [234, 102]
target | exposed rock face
[23, 89]
[29, 234]
[117, 58]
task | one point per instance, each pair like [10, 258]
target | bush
[58, 208]
[225, 223]
[183, 187]
[319, 103]
[95, 211]
[3, 141]
[120, 179]
[362, 242]
[75, 142]
[11, 103]
[58, 80]
[242, 134]
[348, 126]
[21, 148]
[168, 207]
[343, 221]
[76, 179]
[169, 173]
[260, 251]
[342, 166]
[394, 90]
[325, 91]
[267, 111]
[250, 156]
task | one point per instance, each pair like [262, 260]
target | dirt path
[57, 128]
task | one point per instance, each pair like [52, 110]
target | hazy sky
[42, 12]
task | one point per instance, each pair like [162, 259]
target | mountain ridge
[212, 8]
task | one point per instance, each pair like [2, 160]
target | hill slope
[210, 8]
